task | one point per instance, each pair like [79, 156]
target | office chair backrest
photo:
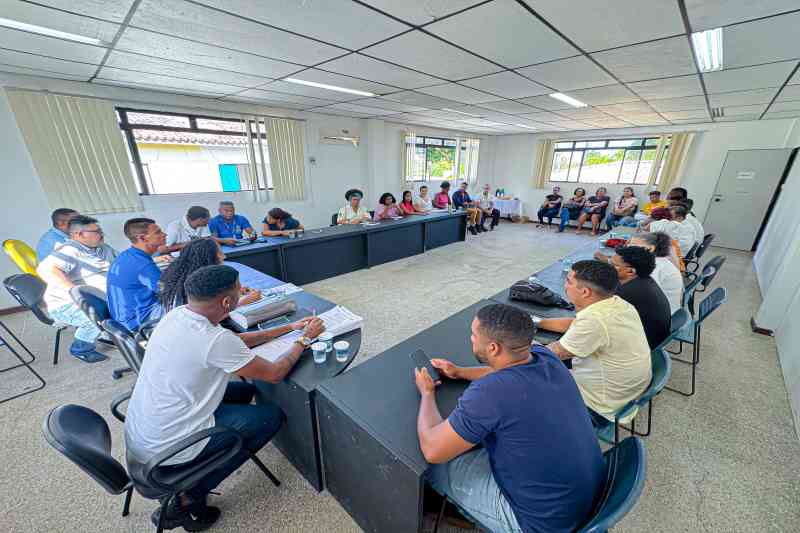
[125, 343]
[23, 255]
[83, 437]
[692, 253]
[679, 319]
[717, 297]
[92, 302]
[716, 263]
[626, 466]
[707, 240]
[28, 291]
[688, 291]
[334, 218]
[661, 366]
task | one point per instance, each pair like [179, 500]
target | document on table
[338, 321]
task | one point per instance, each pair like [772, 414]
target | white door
[745, 187]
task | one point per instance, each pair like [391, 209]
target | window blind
[77, 150]
[287, 162]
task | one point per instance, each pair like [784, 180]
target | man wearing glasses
[83, 259]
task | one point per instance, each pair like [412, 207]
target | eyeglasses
[98, 231]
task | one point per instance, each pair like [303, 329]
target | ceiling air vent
[717, 112]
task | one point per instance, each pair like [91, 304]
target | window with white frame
[609, 161]
[174, 153]
[440, 158]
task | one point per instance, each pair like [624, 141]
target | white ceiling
[484, 66]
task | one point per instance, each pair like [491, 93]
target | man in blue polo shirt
[132, 281]
[228, 224]
[55, 235]
[539, 467]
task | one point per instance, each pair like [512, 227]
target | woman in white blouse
[353, 212]
[423, 202]
[666, 274]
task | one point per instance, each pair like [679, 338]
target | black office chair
[690, 255]
[28, 291]
[126, 343]
[716, 263]
[22, 363]
[94, 304]
[83, 437]
[334, 218]
[695, 261]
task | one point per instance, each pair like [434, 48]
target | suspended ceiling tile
[544, 116]
[647, 61]
[50, 47]
[26, 71]
[273, 96]
[157, 88]
[684, 115]
[165, 47]
[382, 103]
[312, 92]
[628, 107]
[421, 11]
[422, 100]
[568, 74]
[790, 105]
[346, 24]
[458, 93]
[546, 103]
[790, 92]
[739, 98]
[609, 123]
[507, 84]
[691, 121]
[371, 111]
[679, 104]
[191, 21]
[738, 118]
[602, 24]
[762, 41]
[20, 60]
[606, 95]
[748, 78]
[430, 55]
[368, 68]
[505, 32]
[668, 87]
[507, 106]
[115, 74]
[165, 67]
[738, 110]
[782, 114]
[708, 14]
[59, 20]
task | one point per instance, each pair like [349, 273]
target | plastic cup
[320, 355]
[327, 338]
[342, 349]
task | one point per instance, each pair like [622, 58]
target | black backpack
[527, 291]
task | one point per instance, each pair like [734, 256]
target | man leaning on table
[230, 225]
[539, 467]
[193, 225]
[184, 387]
[606, 341]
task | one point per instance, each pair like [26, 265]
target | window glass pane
[629, 166]
[433, 142]
[648, 157]
[564, 145]
[222, 125]
[441, 162]
[575, 166]
[181, 162]
[624, 143]
[580, 144]
[560, 166]
[450, 142]
[155, 119]
[596, 144]
[651, 142]
[601, 166]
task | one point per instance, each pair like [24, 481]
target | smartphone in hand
[421, 360]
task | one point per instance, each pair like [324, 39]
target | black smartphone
[421, 360]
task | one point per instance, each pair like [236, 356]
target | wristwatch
[536, 320]
[304, 341]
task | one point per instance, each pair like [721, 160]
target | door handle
[717, 198]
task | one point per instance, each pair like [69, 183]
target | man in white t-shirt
[677, 228]
[83, 259]
[183, 387]
[189, 228]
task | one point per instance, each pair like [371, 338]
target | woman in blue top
[278, 223]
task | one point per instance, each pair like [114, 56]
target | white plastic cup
[327, 338]
[342, 349]
[320, 355]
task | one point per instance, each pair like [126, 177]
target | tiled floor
[725, 460]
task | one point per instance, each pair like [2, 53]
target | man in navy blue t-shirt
[540, 467]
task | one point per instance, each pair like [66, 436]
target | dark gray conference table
[298, 439]
[367, 420]
[327, 252]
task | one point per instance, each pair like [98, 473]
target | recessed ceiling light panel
[567, 100]
[708, 49]
[50, 32]
[329, 87]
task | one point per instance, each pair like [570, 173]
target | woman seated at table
[424, 202]
[387, 208]
[407, 205]
[196, 254]
[279, 223]
[571, 209]
[595, 210]
[353, 212]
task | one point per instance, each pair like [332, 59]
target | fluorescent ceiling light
[524, 126]
[567, 100]
[329, 87]
[460, 112]
[41, 30]
[708, 49]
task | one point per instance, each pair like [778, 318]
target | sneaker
[86, 352]
[480, 229]
[195, 517]
[473, 230]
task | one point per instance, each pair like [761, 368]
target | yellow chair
[22, 255]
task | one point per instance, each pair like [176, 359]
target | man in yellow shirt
[606, 341]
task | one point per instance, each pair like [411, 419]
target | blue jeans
[468, 482]
[256, 423]
[548, 212]
[614, 220]
[71, 314]
[566, 215]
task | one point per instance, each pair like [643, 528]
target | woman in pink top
[387, 208]
[623, 210]
[442, 198]
[407, 205]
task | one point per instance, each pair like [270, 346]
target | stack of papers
[338, 321]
